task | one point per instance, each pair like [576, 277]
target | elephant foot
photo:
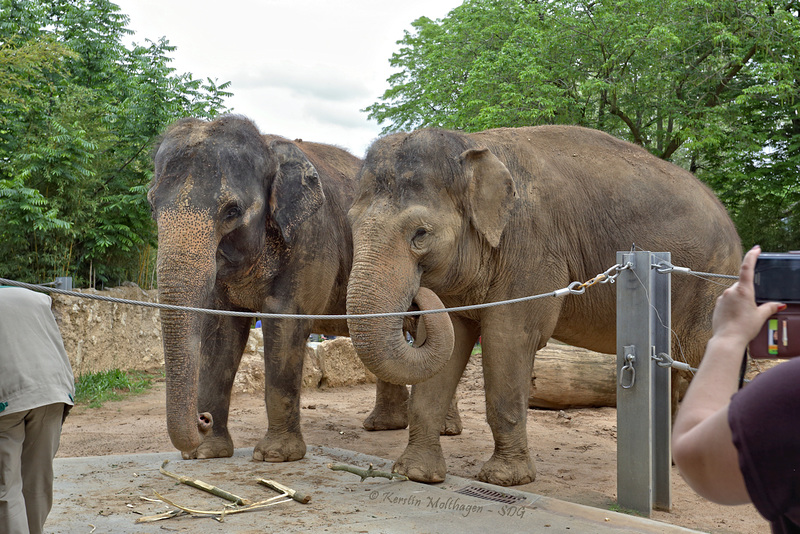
[387, 418]
[422, 465]
[287, 448]
[508, 471]
[452, 423]
[212, 447]
[391, 408]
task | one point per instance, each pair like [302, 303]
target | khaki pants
[28, 443]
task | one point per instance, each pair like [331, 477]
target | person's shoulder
[19, 296]
[773, 387]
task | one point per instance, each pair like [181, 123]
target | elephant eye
[419, 236]
[233, 212]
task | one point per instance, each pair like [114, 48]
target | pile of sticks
[238, 505]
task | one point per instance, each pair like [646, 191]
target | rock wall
[100, 336]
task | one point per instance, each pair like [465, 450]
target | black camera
[777, 278]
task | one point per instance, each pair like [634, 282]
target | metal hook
[664, 267]
[663, 360]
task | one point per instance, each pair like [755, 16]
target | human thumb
[768, 309]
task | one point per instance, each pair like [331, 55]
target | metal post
[643, 388]
[661, 320]
[634, 402]
[64, 282]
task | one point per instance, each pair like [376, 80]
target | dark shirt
[764, 417]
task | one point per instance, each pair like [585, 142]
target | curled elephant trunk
[380, 342]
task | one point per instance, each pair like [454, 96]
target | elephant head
[226, 202]
[429, 210]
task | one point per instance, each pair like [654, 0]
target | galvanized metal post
[634, 401]
[661, 324]
[64, 282]
[643, 388]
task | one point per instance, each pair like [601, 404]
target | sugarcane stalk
[199, 484]
[302, 498]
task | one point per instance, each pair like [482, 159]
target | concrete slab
[109, 493]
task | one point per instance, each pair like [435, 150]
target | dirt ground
[574, 450]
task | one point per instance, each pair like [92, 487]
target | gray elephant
[249, 223]
[509, 213]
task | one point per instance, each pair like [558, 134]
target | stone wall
[100, 336]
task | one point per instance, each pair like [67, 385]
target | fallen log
[567, 377]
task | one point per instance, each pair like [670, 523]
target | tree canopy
[79, 111]
[710, 85]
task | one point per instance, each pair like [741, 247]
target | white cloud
[299, 68]
[326, 82]
[328, 112]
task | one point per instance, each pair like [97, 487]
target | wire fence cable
[575, 288]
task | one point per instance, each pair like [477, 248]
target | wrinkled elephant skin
[510, 213]
[249, 223]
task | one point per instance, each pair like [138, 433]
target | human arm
[702, 443]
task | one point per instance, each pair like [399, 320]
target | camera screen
[777, 277]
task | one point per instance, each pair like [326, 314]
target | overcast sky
[299, 68]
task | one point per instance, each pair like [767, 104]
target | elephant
[506, 213]
[250, 223]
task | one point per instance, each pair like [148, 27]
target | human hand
[736, 315]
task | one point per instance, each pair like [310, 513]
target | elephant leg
[222, 347]
[284, 350]
[423, 460]
[452, 422]
[507, 367]
[391, 411]
[391, 407]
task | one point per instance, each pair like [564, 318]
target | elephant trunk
[186, 274]
[376, 287]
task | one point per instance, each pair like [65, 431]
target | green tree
[79, 111]
[24, 67]
[712, 86]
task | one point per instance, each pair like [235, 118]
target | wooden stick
[366, 473]
[199, 484]
[302, 498]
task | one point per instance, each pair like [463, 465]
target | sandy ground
[574, 450]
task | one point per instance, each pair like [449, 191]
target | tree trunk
[567, 377]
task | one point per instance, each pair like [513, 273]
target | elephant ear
[296, 191]
[491, 192]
